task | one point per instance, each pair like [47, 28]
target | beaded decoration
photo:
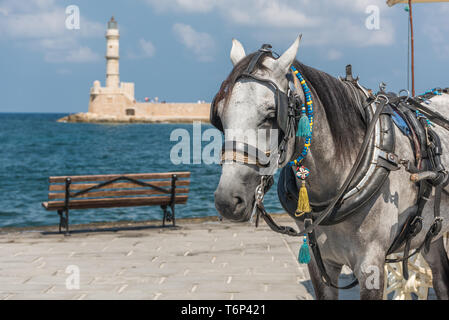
[309, 111]
[302, 172]
[434, 91]
[419, 115]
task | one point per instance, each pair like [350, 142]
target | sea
[34, 146]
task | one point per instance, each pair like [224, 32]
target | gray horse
[361, 241]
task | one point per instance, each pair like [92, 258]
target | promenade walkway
[200, 259]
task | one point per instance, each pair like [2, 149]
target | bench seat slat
[105, 177]
[114, 202]
[117, 185]
[115, 193]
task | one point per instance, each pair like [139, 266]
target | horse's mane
[340, 105]
[339, 102]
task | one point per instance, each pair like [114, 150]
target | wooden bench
[117, 190]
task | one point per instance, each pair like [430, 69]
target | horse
[361, 241]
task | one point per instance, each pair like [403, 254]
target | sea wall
[122, 111]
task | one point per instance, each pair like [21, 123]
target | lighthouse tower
[112, 55]
[115, 98]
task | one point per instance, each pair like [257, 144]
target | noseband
[286, 119]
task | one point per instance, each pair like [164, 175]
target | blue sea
[35, 146]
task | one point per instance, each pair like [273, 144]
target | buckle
[389, 156]
[416, 224]
[307, 222]
[437, 225]
[266, 47]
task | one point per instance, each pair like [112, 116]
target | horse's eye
[268, 119]
[270, 116]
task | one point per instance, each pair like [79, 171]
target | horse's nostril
[239, 204]
[239, 201]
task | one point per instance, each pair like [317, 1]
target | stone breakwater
[88, 117]
[145, 113]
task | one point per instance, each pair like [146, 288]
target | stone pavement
[201, 259]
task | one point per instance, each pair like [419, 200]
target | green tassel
[304, 255]
[304, 129]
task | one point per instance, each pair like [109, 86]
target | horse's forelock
[228, 84]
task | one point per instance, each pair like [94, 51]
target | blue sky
[178, 50]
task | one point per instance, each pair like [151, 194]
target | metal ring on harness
[405, 90]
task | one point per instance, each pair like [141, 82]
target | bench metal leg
[173, 214]
[67, 231]
[68, 182]
[61, 220]
[173, 197]
[64, 221]
[169, 215]
[164, 210]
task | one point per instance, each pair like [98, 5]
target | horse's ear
[284, 62]
[237, 52]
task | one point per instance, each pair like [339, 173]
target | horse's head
[251, 102]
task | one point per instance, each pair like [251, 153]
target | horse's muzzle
[231, 205]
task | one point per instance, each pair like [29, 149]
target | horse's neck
[327, 172]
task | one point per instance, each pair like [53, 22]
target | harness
[371, 168]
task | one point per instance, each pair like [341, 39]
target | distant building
[116, 103]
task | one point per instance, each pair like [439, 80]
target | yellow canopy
[393, 2]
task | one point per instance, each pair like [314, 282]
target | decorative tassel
[304, 254]
[303, 201]
[304, 129]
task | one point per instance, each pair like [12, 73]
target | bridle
[286, 120]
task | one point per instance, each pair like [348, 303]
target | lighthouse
[115, 102]
[112, 55]
[115, 98]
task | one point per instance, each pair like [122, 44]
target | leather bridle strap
[313, 243]
[261, 158]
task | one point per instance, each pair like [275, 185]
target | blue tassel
[304, 129]
[304, 254]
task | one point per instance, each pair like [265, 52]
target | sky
[178, 50]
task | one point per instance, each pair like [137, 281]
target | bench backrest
[118, 190]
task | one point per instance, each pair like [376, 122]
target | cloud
[182, 5]
[201, 43]
[334, 54]
[76, 55]
[269, 13]
[331, 22]
[147, 47]
[438, 29]
[40, 25]
[146, 50]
